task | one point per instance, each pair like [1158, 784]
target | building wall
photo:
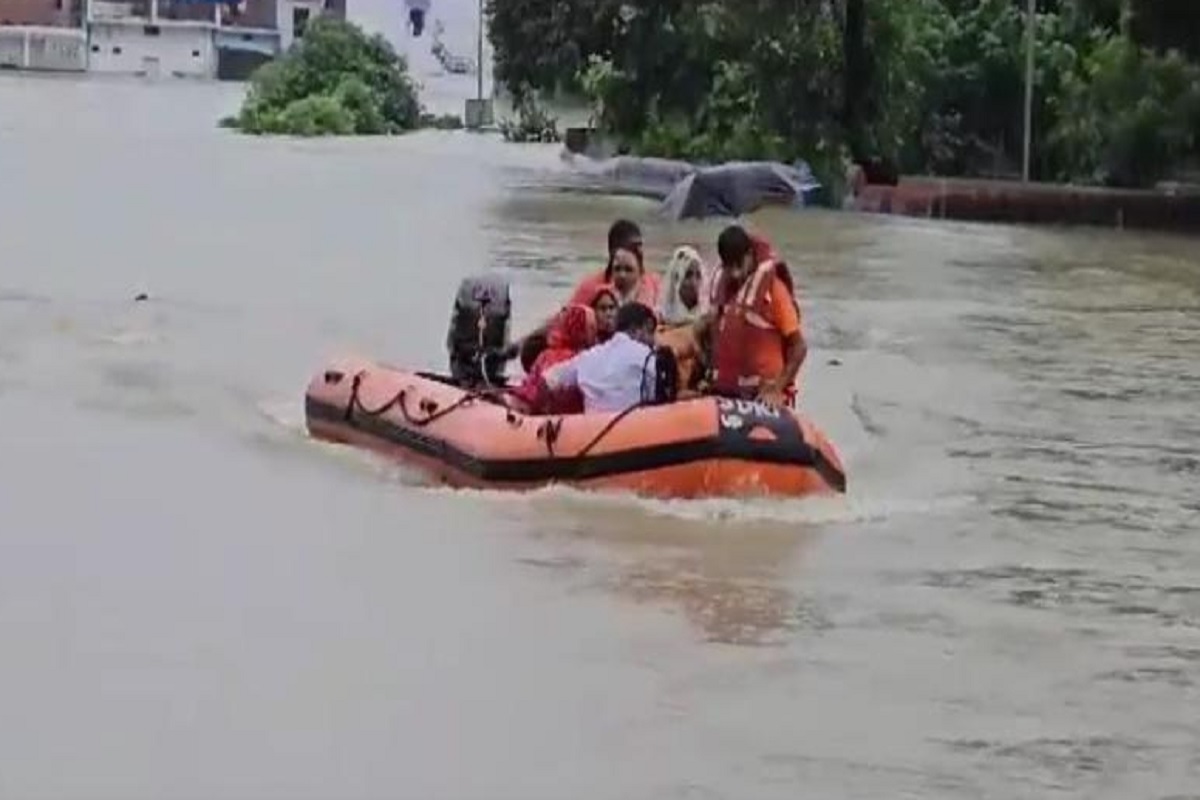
[64, 13]
[174, 51]
[255, 14]
[194, 12]
[286, 15]
[241, 14]
[43, 48]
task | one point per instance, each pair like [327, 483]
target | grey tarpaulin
[739, 187]
[643, 177]
[689, 191]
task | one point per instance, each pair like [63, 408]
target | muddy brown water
[198, 602]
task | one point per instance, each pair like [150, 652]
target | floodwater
[198, 602]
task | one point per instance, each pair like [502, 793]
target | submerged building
[202, 39]
[45, 35]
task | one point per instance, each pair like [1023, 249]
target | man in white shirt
[617, 374]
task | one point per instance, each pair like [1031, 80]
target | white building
[199, 39]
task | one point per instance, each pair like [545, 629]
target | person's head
[736, 250]
[637, 321]
[574, 329]
[624, 270]
[604, 303]
[685, 274]
[625, 235]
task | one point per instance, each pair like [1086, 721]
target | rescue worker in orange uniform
[754, 326]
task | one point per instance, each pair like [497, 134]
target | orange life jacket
[747, 348]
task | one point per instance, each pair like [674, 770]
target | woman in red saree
[571, 332]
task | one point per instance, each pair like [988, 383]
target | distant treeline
[932, 86]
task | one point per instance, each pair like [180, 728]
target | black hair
[634, 316]
[619, 234]
[733, 244]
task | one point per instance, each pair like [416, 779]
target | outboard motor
[479, 329]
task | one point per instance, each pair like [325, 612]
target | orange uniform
[755, 320]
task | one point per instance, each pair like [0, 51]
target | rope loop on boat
[547, 431]
[607, 429]
[400, 401]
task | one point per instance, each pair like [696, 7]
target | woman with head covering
[603, 302]
[683, 299]
[571, 332]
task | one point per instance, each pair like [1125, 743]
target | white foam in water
[285, 412]
[863, 504]
[861, 507]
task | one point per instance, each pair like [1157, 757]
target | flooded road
[198, 602]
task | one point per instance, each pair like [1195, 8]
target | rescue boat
[691, 448]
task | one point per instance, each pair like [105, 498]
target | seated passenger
[571, 332]
[617, 374]
[683, 300]
[691, 358]
[624, 274]
[603, 303]
[625, 270]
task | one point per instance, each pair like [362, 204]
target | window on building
[299, 21]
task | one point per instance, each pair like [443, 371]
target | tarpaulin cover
[739, 187]
[689, 191]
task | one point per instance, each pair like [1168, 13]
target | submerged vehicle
[458, 430]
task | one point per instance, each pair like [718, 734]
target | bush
[335, 81]
[1129, 117]
[533, 122]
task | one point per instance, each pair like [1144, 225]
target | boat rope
[400, 401]
[547, 431]
[551, 428]
[607, 429]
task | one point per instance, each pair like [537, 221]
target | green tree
[334, 81]
[933, 85]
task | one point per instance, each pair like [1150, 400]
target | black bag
[666, 376]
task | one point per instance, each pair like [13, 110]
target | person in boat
[684, 303]
[604, 304]
[571, 332]
[625, 270]
[625, 273]
[757, 343]
[617, 374]
[683, 300]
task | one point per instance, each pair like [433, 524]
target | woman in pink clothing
[625, 271]
[625, 274]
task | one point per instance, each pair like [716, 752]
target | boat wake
[866, 502]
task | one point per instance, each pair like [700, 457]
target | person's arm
[786, 318]
[795, 350]
[563, 375]
[703, 324]
[582, 296]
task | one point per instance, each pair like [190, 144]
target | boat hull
[703, 447]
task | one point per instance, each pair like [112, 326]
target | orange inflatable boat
[701, 447]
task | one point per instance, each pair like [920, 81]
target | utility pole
[479, 57]
[478, 113]
[1030, 29]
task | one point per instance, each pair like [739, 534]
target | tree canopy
[934, 86]
[334, 81]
